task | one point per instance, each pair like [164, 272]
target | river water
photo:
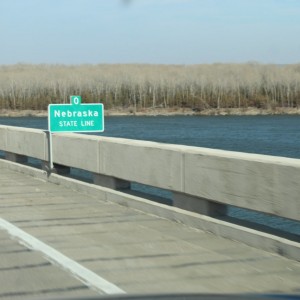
[271, 135]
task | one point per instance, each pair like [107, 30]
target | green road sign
[76, 117]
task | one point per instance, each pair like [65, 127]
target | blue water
[271, 135]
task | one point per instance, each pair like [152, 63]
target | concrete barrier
[202, 180]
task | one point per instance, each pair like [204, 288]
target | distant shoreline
[250, 111]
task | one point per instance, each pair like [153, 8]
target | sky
[149, 31]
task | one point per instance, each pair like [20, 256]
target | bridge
[62, 235]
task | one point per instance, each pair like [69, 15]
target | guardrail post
[199, 205]
[18, 158]
[111, 182]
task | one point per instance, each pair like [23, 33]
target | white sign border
[70, 131]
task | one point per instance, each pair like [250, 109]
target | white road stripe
[88, 277]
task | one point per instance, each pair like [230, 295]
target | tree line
[137, 86]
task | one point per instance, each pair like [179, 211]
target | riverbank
[250, 111]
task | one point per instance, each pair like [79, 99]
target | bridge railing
[202, 180]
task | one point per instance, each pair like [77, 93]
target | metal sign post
[50, 152]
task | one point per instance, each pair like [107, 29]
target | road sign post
[74, 117]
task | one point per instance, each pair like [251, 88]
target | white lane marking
[86, 276]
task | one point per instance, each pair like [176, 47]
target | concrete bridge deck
[51, 235]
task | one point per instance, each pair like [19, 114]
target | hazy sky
[149, 31]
